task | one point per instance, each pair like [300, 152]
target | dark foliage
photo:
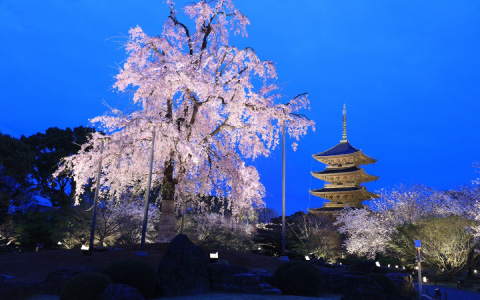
[136, 273]
[298, 278]
[49, 148]
[27, 164]
[38, 227]
[87, 285]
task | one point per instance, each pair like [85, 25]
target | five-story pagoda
[343, 175]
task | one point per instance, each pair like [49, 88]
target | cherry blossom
[213, 107]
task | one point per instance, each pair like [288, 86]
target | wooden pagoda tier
[343, 176]
[344, 154]
[340, 197]
[351, 176]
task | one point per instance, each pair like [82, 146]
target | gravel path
[222, 296]
[452, 294]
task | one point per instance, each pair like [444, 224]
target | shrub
[386, 283]
[135, 273]
[213, 230]
[87, 285]
[298, 278]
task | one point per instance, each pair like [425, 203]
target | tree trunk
[166, 226]
[471, 263]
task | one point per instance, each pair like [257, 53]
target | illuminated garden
[206, 177]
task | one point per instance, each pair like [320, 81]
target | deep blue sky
[409, 72]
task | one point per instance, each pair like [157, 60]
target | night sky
[408, 72]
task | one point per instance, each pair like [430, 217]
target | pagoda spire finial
[344, 135]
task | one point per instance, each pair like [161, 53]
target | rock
[183, 269]
[245, 280]
[235, 279]
[404, 283]
[55, 280]
[341, 283]
[18, 290]
[362, 267]
[270, 291]
[362, 288]
[5, 278]
[120, 292]
[220, 274]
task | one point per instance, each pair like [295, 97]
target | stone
[55, 280]
[403, 282]
[235, 279]
[270, 291]
[220, 273]
[167, 224]
[362, 267]
[5, 278]
[120, 292]
[342, 283]
[183, 269]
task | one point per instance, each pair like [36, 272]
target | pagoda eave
[357, 159]
[358, 176]
[335, 193]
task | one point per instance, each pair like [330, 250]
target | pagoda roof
[342, 148]
[344, 153]
[339, 170]
[354, 173]
[361, 190]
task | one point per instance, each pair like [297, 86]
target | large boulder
[344, 283]
[362, 267]
[120, 292]
[183, 269]
[236, 279]
[55, 280]
[220, 274]
[404, 284]
[362, 288]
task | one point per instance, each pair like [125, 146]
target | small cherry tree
[213, 107]
[369, 230]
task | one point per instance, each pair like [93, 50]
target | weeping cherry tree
[213, 108]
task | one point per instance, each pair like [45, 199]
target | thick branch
[187, 32]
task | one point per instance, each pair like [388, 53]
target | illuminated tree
[213, 107]
[447, 243]
[370, 229]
